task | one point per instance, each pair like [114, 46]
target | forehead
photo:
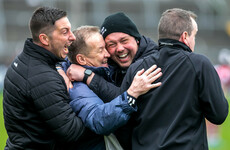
[116, 36]
[63, 23]
[95, 41]
[94, 38]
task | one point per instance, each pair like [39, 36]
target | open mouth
[66, 49]
[123, 56]
[105, 62]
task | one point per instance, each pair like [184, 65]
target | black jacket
[108, 91]
[35, 103]
[172, 116]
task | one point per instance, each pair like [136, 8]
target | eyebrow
[125, 37]
[64, 28]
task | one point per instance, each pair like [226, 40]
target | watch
[87, 74]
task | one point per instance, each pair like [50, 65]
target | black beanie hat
[119, 22]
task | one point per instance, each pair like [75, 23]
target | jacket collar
[146, 47]
[173, 43]
[102, 71]
[39, 52]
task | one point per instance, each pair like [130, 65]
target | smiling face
[61, 38]
[98, 55]
[122, 48]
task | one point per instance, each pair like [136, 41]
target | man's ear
[183, 37]
[81, 60]
[44, 39]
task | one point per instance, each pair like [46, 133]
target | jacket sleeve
[104, 89]
[211, 95]
[51, 101]
[100, 117]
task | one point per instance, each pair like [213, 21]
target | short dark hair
[79, 46]
[43, 20]
[174, 22]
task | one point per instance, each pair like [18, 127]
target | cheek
[192, 42]
[111, 51]
[133, 50]
[100, 59]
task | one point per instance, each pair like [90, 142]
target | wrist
[58, 66]
[87, 74]
[132, 93]
[131, 100]
[90, 78]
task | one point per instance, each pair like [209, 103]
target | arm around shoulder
[104, 89]
[102, 118]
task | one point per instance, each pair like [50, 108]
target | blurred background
[213, 38]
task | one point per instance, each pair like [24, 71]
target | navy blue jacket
[172, 116]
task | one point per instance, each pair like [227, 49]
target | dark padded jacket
[172, 116]
[108, 91]
[35, 102]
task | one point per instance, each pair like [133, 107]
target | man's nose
[120, 47]
[72, 37]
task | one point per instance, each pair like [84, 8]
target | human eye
[124, 41]
[100, 49]
[64, 31]
[111, 45]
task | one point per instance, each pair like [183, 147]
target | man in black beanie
[125, 45]
[119, 22]
[121, 38]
